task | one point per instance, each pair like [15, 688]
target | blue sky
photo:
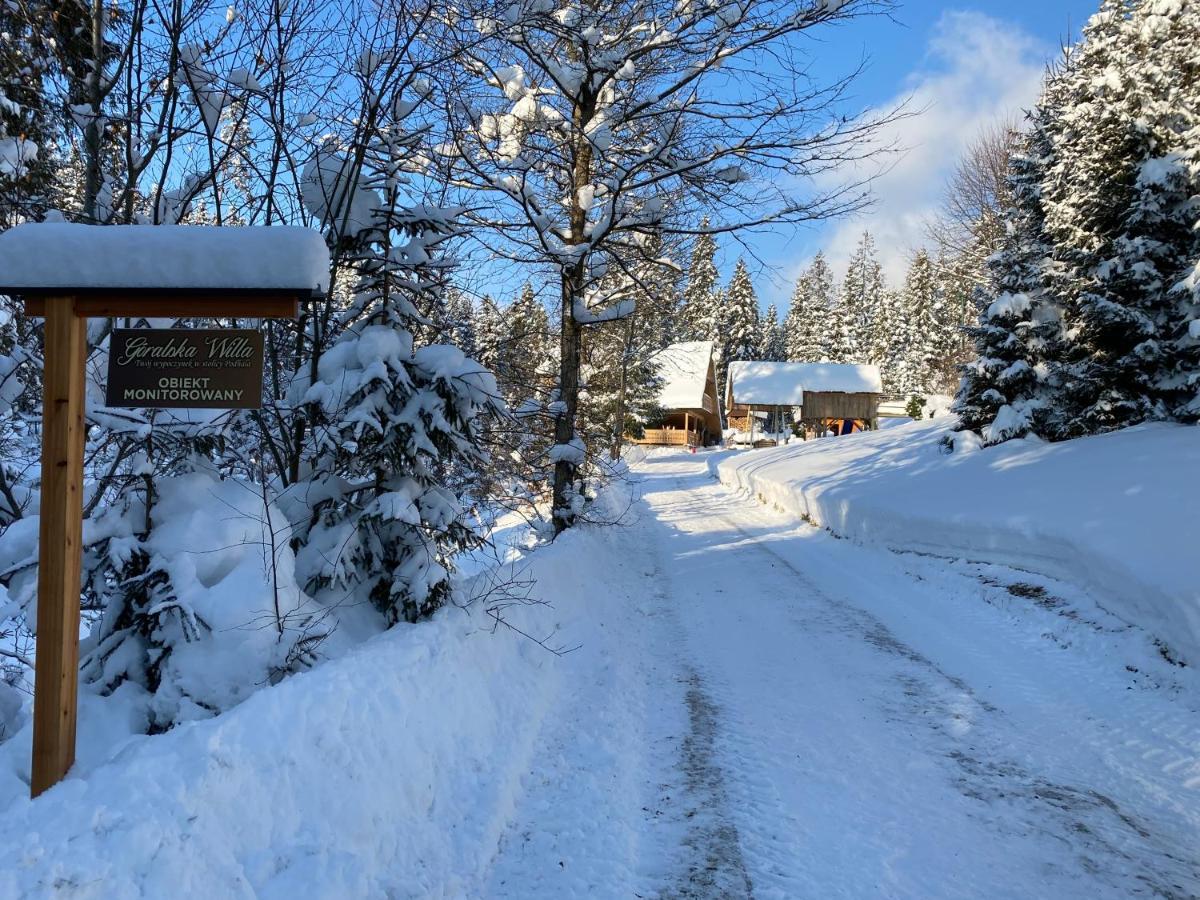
[964, 64]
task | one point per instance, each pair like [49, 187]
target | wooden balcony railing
[671, 437]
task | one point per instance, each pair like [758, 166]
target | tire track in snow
[717, 868]
[713, 865]
[1093, 826]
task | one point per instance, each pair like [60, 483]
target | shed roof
[766, 383]
[784, 383]
[845, 378]
[37, 257]
[684, 371]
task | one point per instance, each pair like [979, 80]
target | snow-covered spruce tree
[461, 321]
[801, 327]
[910, 368]
[527, 344]
[523, 358]
[1120, 207]
[591, 127]
[701, 296]
[389, 420]
[839, 344]
[489, 328]
[863, 296]
[807, 324]
[771, 344]
[391, 423]
[953, 348]
[1003, 392]
[740, 334]
[885, 322]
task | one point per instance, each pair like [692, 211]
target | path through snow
[770, 712]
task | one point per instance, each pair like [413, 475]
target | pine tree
[771, 343]
[808, 323]
[1119, 209]
[862, 302]
[1001, 395]
[526, 345]
[910, 369]
[740, 326]
[489, 334]
[796, 323]
[840, 345]
[953, 347]
[886, 322]
[461, 321]
[701, 297]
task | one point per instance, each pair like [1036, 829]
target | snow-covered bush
[202, 606]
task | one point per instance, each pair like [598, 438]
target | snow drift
[389, 771]
[1117, 514]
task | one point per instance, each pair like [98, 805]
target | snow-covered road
[764, 710]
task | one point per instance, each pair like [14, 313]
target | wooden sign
[197, 368]
[238, 273]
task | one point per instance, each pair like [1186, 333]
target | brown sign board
[188, 368]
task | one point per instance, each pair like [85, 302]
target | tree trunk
[568, 380]
[573, 283]
[93, 149]
[618, 432]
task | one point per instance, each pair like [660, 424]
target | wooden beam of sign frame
[60, 536]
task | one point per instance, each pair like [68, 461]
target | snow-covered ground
[1117, 514]
[755, 708]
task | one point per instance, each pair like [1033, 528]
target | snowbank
[391, 771]
[55, 254]
[1117, 514]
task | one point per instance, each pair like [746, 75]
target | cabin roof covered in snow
[39, 257]
[784, 383]
[684, 370]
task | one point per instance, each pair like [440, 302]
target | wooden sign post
[60, 536]
[60, 543]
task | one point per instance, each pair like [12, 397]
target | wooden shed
[840, 397]
[688, 397]
[822, 397]
[758, 394]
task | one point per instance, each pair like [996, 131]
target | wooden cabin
[691, 416]
[822, 398]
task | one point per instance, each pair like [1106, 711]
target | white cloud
[977, 70]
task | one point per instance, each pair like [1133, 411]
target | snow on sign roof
[784, 384]
[45, 255]
[684, 370]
